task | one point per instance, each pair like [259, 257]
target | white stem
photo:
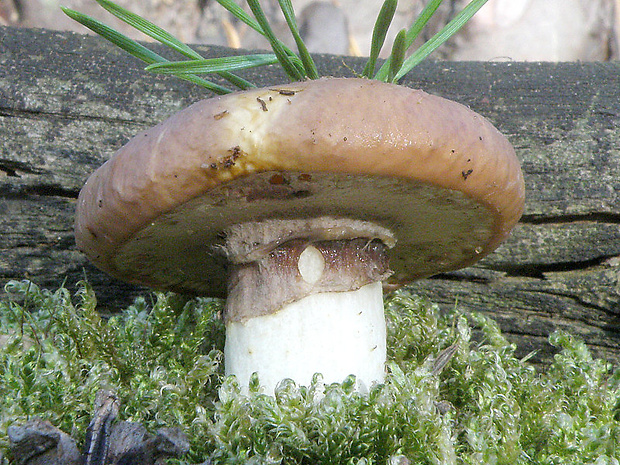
[305, 297]
[332, 333]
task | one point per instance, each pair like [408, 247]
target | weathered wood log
[67, 102]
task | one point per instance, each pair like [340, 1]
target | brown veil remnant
[289, 200]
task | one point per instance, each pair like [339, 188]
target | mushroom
[299, 203]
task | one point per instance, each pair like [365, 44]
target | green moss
[164, 361]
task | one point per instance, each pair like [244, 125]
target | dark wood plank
[67, 102]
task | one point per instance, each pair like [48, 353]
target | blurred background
[520, 30]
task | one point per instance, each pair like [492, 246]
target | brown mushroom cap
[440, 177]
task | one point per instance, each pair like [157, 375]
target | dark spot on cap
[263, 105]
[301, 194]
[277, 179]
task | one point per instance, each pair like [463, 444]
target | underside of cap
[439, 177]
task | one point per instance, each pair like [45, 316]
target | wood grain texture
[67, 102]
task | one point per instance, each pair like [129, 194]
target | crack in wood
[530, 270]
[582, 302]
[25, 113]
[539, 271]
[12, 168]
[9, 172]
[592, 217]
[460, 277]
[13, 192]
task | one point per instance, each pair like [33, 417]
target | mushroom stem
[299, 306]
[332, 333]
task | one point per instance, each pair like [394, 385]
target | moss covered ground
[448, 398]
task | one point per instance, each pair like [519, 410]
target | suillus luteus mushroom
[297, 203]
